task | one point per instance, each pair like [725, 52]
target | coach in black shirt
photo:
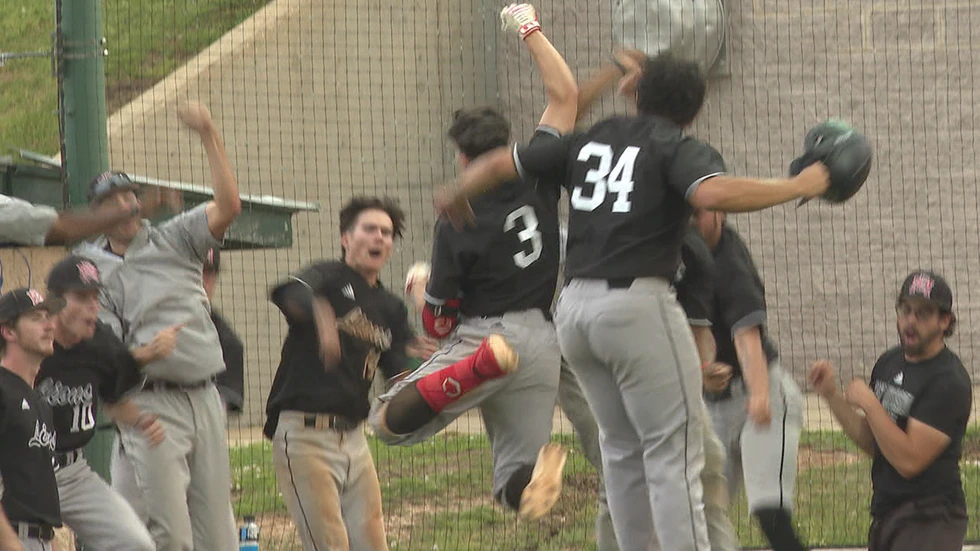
[916, 411]
[31, 510]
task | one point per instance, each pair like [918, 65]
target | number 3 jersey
[629, 180]
[72, 381]
[508, 260]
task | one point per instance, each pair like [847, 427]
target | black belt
[170, 385]
[63, 459]
[31, 531]
[329, 421]
[546, 313]
[620, 282]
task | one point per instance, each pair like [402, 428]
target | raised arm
[558, 80]
[623, 67]
[71, 226]
[227, 204]
[737, 194]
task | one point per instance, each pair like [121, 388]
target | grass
[147, 39]
[437, 496]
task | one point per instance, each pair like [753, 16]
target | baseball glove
[843, 150]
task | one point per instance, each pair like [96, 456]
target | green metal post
[82, 79]
[85, 151]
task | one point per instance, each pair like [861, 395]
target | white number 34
[617, 179]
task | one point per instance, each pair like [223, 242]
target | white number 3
[620, 177]
[523, 259]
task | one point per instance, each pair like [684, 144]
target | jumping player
[916, 410]
[90, 364]
[151, 279]
[343, 327]
[495, 279]
[758, 415]
[30, 509]
[694, 286]
[632, 183]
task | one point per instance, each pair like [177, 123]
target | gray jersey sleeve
[23, 223]
[189, 233]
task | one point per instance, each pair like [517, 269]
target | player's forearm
[71, 226]
[124, 413]
[734, 194]
[8, 536]
[326, 329]
[487, 172]
[755, 366]
[596, 86]
[705, 341]
[893, 442]
[225, 185]
[558, 81]
[854, 425]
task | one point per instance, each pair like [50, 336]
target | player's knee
[378, 422]
[510, 494]
[142, 541]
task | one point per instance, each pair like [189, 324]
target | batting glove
[522, 18]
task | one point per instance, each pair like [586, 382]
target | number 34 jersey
[72, 380]
[629, 180]
[508, 260]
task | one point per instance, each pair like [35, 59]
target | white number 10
[523, 259]
[618, 179]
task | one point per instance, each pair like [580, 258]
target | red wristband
[528, 29]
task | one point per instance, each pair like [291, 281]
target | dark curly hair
[671, 88]
[476, 131]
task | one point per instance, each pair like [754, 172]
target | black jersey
[936, 392]
[740, 299]
[30, 491]
[231, 381]
[628, 179]
[72, 380]
[374, 330]
[694, 282]
[508, 261]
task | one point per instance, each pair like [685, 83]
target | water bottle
[248, 535]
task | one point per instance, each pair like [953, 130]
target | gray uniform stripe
[687, 409]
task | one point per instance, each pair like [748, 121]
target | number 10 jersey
[72, 381]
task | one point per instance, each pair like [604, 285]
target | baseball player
[90, 364]
[916, 409]
[632, 183]
[231, 381]
[496, 279]
[343, 327]
[694, 287]
[23, 223]
[151, 278]
[758, 414]
[28, 492]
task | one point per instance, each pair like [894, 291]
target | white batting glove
[522, 18]
[418, 273]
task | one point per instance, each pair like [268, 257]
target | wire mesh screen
[324, 101]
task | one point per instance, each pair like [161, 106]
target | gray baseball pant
[329, 483]
[100, 518]
[517, 409]
[634, 353]
[33, 544]
[764, 457]
[721, 532]
[184, 482]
